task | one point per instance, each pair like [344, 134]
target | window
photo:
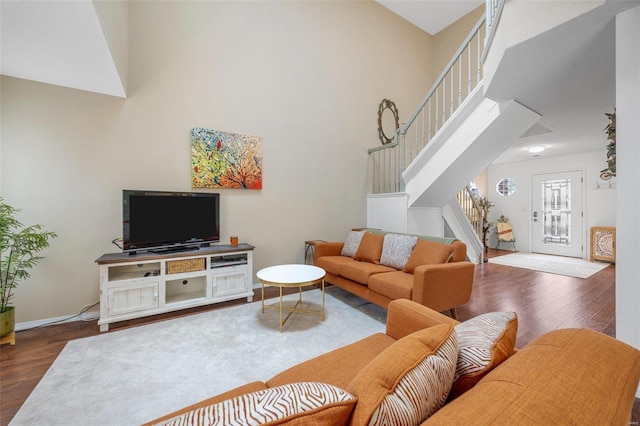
[506, 186]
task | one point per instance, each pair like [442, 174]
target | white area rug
[135, 375]
[560, 265]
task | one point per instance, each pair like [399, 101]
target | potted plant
[18, 248]
[485, 205]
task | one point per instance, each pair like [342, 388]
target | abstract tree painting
[225, 160]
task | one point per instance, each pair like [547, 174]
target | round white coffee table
[291, 276]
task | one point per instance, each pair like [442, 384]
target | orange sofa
[435, 273]
[570, 376]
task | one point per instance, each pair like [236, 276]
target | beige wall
[447, 41]
[306, 76]
[482, 181]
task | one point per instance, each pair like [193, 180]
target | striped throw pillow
[408, 381]
[296, 403]
[485, 341]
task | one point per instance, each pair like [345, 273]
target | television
[165, 222]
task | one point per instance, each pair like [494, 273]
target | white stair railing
[471, 208]
[461, 75]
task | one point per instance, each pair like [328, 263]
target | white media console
[149, 283]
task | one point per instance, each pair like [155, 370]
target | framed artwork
[225, 160]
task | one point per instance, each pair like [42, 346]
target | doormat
[570, 266]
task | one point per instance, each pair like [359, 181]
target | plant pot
[7, 321]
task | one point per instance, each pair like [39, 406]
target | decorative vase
[7, 321]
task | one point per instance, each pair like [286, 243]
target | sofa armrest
[443, 286]
[324, 248]
[405, 317]
[567, 376]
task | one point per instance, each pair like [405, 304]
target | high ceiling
[431, 15]
[65, 42]
[58, 42]
[567, 75]
[571, 85]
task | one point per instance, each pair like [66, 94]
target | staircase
[457, 131]
[475, 135]
[453, 135]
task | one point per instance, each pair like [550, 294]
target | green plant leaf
[18, 248]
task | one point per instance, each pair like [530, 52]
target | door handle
[535, 216]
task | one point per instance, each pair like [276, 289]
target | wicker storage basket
[186, 265]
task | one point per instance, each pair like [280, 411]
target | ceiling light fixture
[535, 149]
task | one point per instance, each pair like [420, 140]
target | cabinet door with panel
[133, 298]
[230, 281]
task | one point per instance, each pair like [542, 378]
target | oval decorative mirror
[506, 186]
[387, 121]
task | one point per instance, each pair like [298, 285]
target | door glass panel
[556, 229]
[556, 211]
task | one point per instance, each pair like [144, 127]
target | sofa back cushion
[459, 251]
[459, 248]
[294, 404]
[370, 248]
[428, 253]
[351, 244]
[396, 249]
[408, 381]
[484, 341]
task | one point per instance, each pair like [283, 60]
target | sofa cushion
[361, 271]
[370, 248]
[408, 381]
[352, 243]
[332, 264]
[484, 341]
[295, 404]
[396, 249]
[394, 285]
[428, 253]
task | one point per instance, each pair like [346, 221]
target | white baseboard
[86, 316]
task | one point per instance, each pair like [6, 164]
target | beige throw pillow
[396, 250]
[351, 244]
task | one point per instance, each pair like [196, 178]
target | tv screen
[164, 221]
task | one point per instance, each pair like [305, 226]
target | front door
[557, 214]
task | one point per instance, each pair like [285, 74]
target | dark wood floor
[543, 302]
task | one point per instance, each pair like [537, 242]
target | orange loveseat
[434, 272]
[570, 376]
